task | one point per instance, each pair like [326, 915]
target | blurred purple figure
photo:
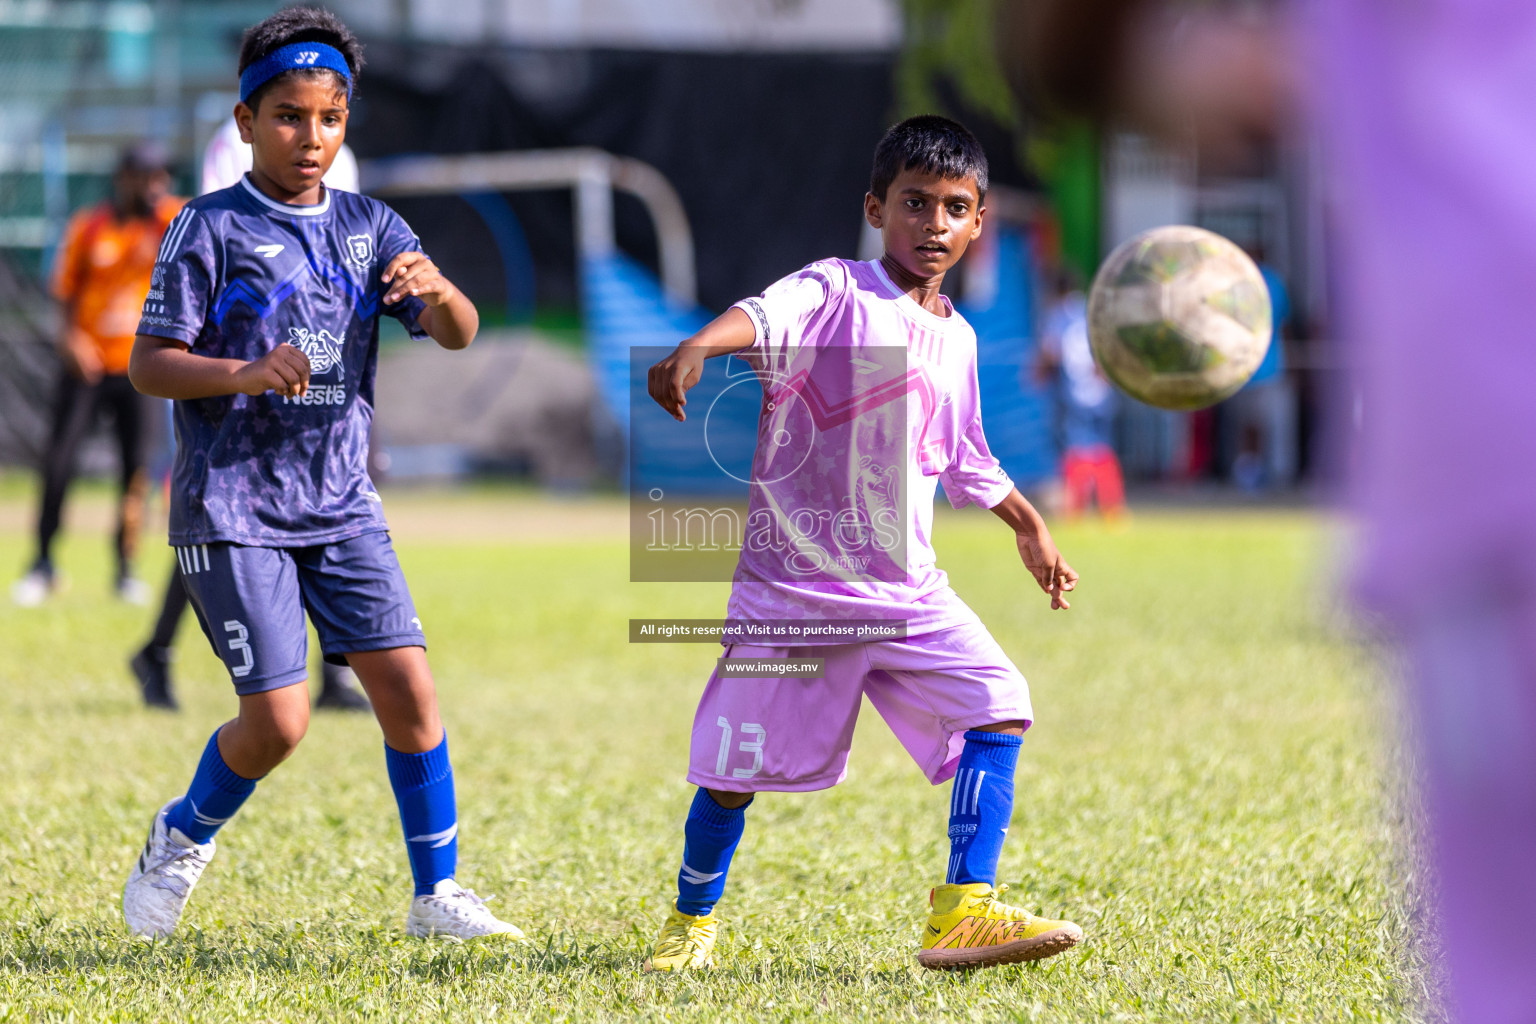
[1424, 112]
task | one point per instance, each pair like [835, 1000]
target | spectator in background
[1260, 420]
[102, 274]
[226, 159]
[1085, 402]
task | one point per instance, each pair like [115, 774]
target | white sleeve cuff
[989, 496]
[759, 317]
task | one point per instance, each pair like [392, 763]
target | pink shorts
[793, 735]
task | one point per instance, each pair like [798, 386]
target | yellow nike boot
[968, 927]
[686, 943]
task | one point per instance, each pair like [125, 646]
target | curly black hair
[932, 145]
[299, 25]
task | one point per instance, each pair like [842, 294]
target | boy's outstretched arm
[450, 319]
[670, 379]
[1037, 549]
[164, 368]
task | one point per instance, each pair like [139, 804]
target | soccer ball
[1179, 317]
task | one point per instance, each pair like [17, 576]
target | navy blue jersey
[237, 275]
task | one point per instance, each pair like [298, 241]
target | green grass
[1210, 790]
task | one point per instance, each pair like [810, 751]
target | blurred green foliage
[953, 42]
[952, 39]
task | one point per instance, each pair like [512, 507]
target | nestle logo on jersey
[320, 394]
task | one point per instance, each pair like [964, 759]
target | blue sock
[709, 841]
[423, 785]
[213, 798]
[981, 806]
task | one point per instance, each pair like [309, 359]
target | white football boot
[132, 590]
[33, 588]
[451, 911]
[162, 880]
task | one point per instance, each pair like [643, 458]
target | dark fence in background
[771, 152]
[28, 363]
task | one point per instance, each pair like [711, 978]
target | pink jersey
[869, 402]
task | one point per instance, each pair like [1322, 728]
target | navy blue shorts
[251, 604]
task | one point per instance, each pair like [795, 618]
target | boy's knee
[273, 751]
[404, 698]
[729, 800]
[413, 734]
[280, 739]
[278, 734]
[1015, 728]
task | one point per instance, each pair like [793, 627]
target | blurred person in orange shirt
[102, 275]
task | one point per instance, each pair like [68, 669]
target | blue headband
[293, 57]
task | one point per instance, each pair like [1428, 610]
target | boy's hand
[284, 370]
[411, 273]
[670, 379]
[1036, 548]
[1046, 565]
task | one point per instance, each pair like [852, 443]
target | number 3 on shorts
[753, 746]
[239, 637]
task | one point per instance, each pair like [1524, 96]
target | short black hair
[299, 25]
[932, 145]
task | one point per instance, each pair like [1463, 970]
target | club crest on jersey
[360, 251]
[323, 349]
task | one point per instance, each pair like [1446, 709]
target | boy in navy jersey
[262, 323]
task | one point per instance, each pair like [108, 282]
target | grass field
[1209, 791]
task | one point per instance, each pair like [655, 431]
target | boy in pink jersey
[870, 401]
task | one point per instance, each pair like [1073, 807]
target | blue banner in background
[625, 308]
[1017, 409]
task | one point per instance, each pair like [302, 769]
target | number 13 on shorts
[753, 746]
